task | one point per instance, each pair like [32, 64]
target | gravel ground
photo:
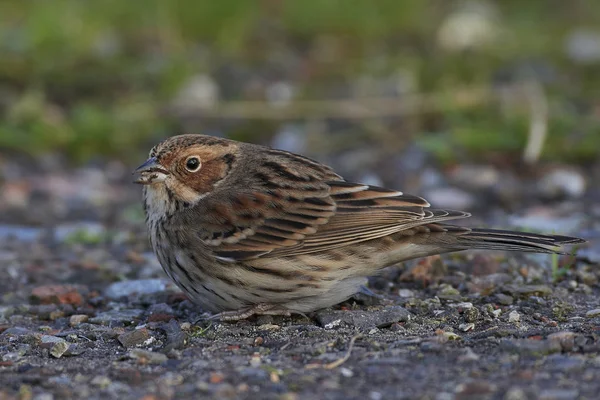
[86, 312]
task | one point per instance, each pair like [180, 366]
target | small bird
[247, 230]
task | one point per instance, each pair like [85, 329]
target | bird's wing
[308, 218]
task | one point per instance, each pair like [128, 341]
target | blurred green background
[109, 78]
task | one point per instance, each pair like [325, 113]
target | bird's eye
[192, 164]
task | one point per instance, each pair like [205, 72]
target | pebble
[475, 177]
[78, 319]
[134, 338]
[504, 299]
[558, 394]
[147, 357]
[515, 393]
[139, 287]
[176, 338]
[58, 294]
[466, 327]
[101, 381]
[406, 293]
[531, 347]
[529, 290]
[566, 339]
[121, 316]
[366, 319]
[562, 182]
[58, 349]
[593, 313]
[514, 317]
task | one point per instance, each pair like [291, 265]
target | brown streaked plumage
[245, 229]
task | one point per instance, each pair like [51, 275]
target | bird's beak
[150, 172]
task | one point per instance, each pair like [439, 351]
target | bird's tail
[492, 239]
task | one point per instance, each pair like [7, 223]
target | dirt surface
[86, 312]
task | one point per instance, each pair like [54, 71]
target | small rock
[147, 357]
[514, 317]
[468, 356]
[134, 338]
[59, 348]
[562, 182]
[593, 313]
[504, 299]
[565, 339]
[77, 319]
[113, 316]
[531, 347]
[268, 327]
[47, 341]
[466, 327]
[406, 293]
[558, 394]
[465, 305]
[515, 393]
[16, 355]
[564, 363]
[136, 287]
[16, 331]
[175, 336]
[528, 290]
[475, 177]
[101, 381]
[58, 294]
[363, 319]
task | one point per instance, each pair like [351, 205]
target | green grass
[95, 78]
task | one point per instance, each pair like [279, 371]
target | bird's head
[187, 167]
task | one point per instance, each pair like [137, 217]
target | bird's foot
[247, 312]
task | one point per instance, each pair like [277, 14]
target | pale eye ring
[192, 164]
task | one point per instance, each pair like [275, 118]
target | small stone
[466, 327]
[363, 319]
[529, 290]
[147, 357]
[175, 336]
[255, 360]
[558, 394]
[562, 182]
[58, 294]
[77, 319]
[135, 287]
[515, 393]
[532, 347]
[406, 293]
[514, 317]
[115, 316]
[504, 299]
[16, 355]
[462, 306]
[268, 327]
[566, 339]
[101, 381]
[59, 348]
[496, 313]
[593, 313]
[346, 372]
[134, 338]
[186, 326]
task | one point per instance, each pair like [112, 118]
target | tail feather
[491, 239]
